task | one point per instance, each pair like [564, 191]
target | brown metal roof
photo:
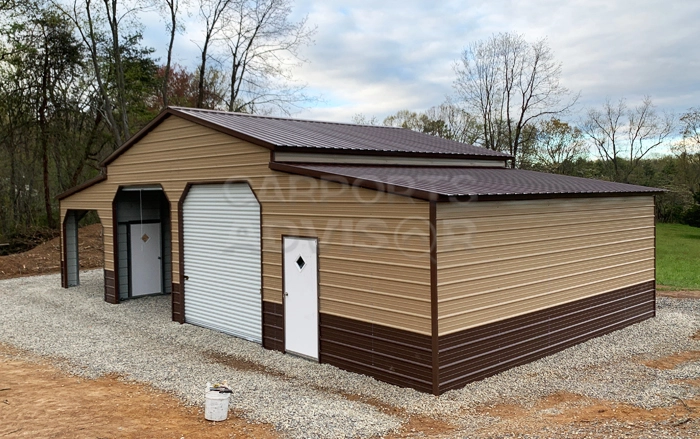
[284, 134]
[296, 134]
[449, 183]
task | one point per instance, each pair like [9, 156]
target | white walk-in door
[221, 238]
[301, 296]
[146, 262]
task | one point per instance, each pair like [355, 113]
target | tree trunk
[118, 67]
[173, 29]
[45, 141]
[202, 72]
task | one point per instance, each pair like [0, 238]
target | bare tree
[172, 9]
[404, 119]
[7, 5]
[623, 136]
[688, 150]
[363, 119]
[211, 11]
[510, 83]
[88, 17]
[690, 129]
[557, 144]
[459, 124]
[262, 44]
[445, 120]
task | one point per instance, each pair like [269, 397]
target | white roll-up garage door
[221, 228]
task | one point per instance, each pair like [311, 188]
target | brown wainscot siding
[273, 326]
[110, 287]
[392, 355]
[486, 350]
[178, 303]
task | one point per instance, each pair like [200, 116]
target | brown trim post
[654, 200]
[284, 305]
[178, 309]
[64, 252]
[115, 250]
[434, 299]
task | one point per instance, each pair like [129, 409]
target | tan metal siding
[99, 198]
[498, 260]
[374, 262]
[373, 247]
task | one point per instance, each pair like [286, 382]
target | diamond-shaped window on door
[300, 263]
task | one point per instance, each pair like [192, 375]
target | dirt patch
[415, 424]
[242, 364]
[569, 412]
[694, 382]
[37, 400]
[46, 258]
[696, 336]
[673, 361]
[423, 424]
[687, 294]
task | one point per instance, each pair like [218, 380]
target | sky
[378, 57]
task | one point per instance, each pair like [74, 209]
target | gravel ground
[138, 341]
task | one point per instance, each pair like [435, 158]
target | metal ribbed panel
[466, 181]
[302, 134]
[221, 228]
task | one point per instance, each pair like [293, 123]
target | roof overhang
[433, 186]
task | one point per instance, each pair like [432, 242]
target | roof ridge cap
[260, 116]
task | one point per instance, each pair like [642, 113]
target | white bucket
[216, 406]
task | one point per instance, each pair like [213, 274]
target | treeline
[614, 143]
[76, 81]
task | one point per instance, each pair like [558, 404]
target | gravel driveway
[303, 399]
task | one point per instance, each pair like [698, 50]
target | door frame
[115, 238]
[128, 252]
[318, 294]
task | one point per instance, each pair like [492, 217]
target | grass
[678, 256]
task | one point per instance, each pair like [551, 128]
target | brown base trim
[405, 358]
[64, 274]
[178, 303]
[392, 355]
[483, 351]
[273, 326]
[64, 253]
[110, 287]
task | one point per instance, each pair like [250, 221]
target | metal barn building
[417, 260]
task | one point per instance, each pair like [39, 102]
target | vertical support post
[434, 299]
[70, 231]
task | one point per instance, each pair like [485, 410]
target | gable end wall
[374, 258]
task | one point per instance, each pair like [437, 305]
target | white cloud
[379, 57]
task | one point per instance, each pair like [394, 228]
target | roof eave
[75, 189]
[374, 152]
[540, 196]
[175, 112]
[441, 197]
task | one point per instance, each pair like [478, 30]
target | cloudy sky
[377, 57]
